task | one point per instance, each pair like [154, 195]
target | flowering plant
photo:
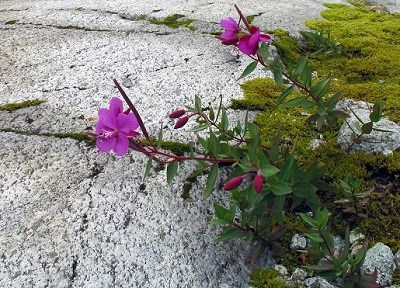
[266, 181]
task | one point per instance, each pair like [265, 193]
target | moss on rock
[266, 278]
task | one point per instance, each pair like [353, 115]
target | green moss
[288, 48]
[259, 94]
[266, 278]
[15, 106]
[79, 136]
[177, 148]
[382, 224]
[173, 21]
[10, 22]
[142, 17]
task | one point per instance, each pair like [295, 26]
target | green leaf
[310, 221]
[212, 177]
[228, 234]
[197, 103]
[221, 211]
[224, 120]
[250, 68]
[211, 114]
[148, 167]
[287, 170]
[367, 128]
[281, 188]
[279, 204]
[284, 95]
[269, 170]
[160, 137]
[199, 128]
[298, 102]
[333, 100]
[377, 112]
[263, 51]
[214, 144]
[300, 67]
[306, 77]
[278, 77]
[171, 171]
[321, 88]
[314, 237]
[304, 189]
[219, 222]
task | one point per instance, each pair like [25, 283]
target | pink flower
[114, 127]
[258, 182]
[248, 43]
[181, 122]
[177, 113]
[230, 35]
[233, 183]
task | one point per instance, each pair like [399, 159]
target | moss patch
[79, 136]
[15, 106]
[266, 278]
[173, 21]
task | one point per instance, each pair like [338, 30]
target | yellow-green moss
[259, 94]
[382, 224]
[173, 21]
[287, 47]
[266, 278]
[79, 136]
[15, 106]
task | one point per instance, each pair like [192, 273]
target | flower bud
[233, 183]
[177, 113]
[258, 182]
[181, 122]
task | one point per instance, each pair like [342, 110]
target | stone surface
[298, 242]
[281, 269]
[376, 141]
[381, 257]
[299, 275]
[397, 259]
[317, 282]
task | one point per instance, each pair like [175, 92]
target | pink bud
[181, 122]
[233, 183]
[177, 114]
[258, 182]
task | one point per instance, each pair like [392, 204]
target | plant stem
[134, 111]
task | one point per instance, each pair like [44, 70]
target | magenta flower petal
[265, 38]
[126, 123]
[116, 106]
[244, 45]
[106, 144]
[114, 127]
[122, 145]
[230, 35]
[107, 119]
[229, 24]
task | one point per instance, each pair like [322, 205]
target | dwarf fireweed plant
[266, 180]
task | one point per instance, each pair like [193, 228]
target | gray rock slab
[380, 257]
[384, 140]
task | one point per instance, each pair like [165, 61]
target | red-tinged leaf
[349, 210]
